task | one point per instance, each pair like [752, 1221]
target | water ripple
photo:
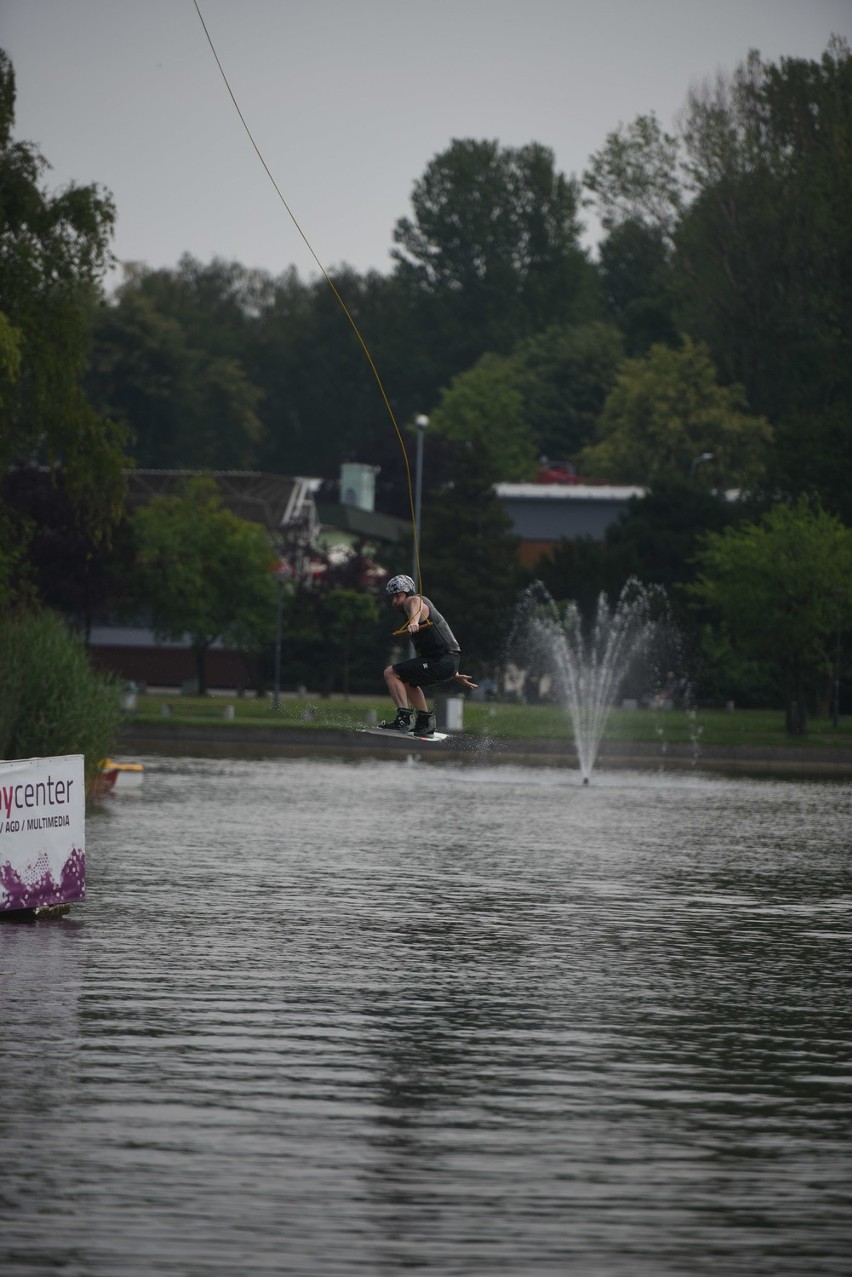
[336, 1018]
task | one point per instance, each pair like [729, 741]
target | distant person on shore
[436, 659]
[670, 692]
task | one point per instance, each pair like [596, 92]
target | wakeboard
[386, 732]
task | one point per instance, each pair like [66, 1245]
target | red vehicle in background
[556, 472]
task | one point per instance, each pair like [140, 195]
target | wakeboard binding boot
[424, 723]
[402, 722]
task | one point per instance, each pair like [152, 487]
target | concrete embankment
[173, 737]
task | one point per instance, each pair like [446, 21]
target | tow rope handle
[424, 625]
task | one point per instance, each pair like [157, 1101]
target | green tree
[581, 569]
[204, 572]
[469, 556]
[655, 540]
[215, 304]
[751, 205]
[215, 366]
[68, 570]
[658, 536]
[322, 404]
[350, 615]
[639, 286]
[638, 189]
[333, 633]
[564, 375]
[485, 403]
[637, 178]
[186, 406]
[766, 245]
[666, 410]
[140, 370]
[543, 398]
[492, 251]
[782, 588]
[53, 251]
[10, 359]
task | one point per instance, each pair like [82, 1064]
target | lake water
[376, 1017]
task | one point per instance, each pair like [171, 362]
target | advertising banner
[42, 832]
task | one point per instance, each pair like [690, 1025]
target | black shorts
[423, 671]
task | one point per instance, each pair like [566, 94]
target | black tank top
[437, 639]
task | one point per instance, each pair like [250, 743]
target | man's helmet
[400, 585]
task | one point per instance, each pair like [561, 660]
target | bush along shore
[51, 702]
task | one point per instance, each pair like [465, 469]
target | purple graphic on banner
[35, 886]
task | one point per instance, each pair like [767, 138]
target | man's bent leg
[399, 696]
[403, 694]
[418, 699]
[396, 688]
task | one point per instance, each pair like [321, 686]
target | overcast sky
[348, 100]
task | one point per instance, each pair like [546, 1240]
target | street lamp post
[281, 572]
[421, 424]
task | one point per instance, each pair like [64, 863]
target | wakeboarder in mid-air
[436, 660]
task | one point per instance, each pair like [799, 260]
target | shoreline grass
[757, 728]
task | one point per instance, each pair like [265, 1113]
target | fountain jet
[588, 664]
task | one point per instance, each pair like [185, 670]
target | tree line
[714, 323]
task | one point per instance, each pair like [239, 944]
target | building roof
[273, 500]
[568, 491]
[369, 524]
[544, 513]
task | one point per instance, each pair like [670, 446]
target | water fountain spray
[588, 664]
